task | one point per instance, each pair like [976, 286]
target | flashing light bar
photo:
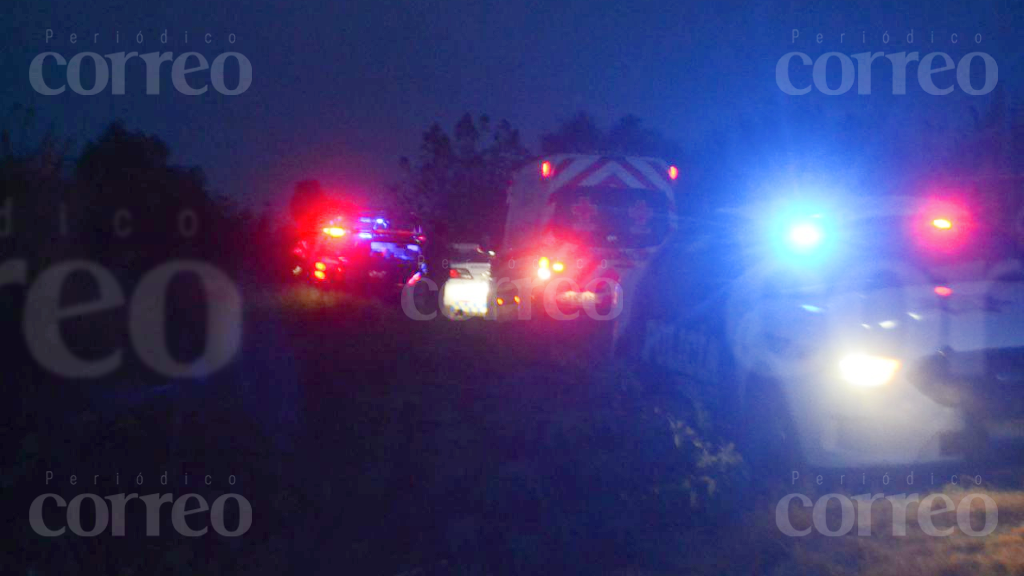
[805, 235]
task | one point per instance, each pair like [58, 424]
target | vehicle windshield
[472, 255]
[611, 217]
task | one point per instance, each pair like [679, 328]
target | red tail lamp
[546, 170]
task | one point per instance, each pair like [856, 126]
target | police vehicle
[366, 249]
[848, 332]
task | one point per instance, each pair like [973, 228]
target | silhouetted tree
[579, 134]
[133, 209]
[462, 179]
[628, 136]
[33, 186]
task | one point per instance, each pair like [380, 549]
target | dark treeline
[119, 203]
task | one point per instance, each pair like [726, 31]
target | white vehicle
[860, 333]
[580, 229]
[467, 290]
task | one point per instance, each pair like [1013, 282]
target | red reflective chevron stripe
[563, 165]
[663, 170]
[584, 174]
[640, 176]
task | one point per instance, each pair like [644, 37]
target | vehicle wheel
[426, 299]
[771, 445]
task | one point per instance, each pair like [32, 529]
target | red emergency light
[943, 226]
[546, 170]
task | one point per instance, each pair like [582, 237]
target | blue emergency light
[802, 237]
[806, 236]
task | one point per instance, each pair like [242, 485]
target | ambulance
[579, 232]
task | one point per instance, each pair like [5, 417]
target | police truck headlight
[868, 371]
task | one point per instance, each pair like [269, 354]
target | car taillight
[460, 273]
[319, 274]
[320, 266]
[544, 268]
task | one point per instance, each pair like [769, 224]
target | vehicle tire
[425, 299]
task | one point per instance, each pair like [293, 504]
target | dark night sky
[341, 89]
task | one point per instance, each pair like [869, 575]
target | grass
[522, 408]
[467, 447]
[884, 553]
